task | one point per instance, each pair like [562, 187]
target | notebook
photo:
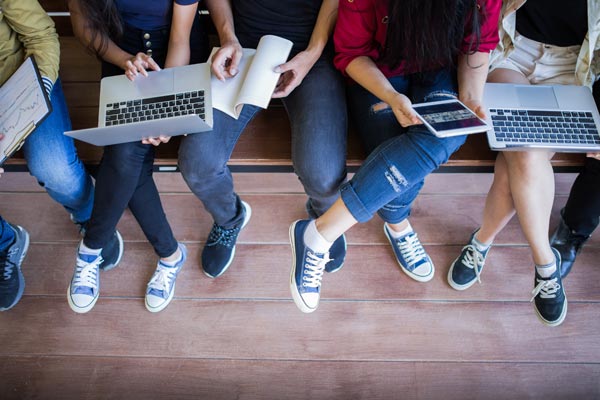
[561, 118]
[24, 104]
[173, 101]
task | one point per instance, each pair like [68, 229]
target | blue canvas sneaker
[549, 298]
[161, 287]
[337, 252]
[466, 269]
[220, 246]
[307, 270]
[411, 256]
[84, 289]
[12, 282]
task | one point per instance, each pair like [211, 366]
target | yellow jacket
[587, 70]
[26, 29]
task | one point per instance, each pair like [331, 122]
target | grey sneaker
[12, 282]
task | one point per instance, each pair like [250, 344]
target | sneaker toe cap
[82, 300]
[154, 301]
[424, 271]
[311, 300]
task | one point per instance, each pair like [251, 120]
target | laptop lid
[561, 118]
[173, 101]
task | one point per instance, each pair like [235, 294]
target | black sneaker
[12, 282]
[112, 252]
[569, 244]
[466, 269]
[550, 301]
[337, 252]
[220, 246]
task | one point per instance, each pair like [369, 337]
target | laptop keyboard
[175, 105]
[552, 127]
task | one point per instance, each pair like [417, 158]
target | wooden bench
[265, 145]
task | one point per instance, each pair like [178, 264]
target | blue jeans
[400, 158]
[52, 160]
[317, 113]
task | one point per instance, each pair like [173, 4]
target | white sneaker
[84, 289]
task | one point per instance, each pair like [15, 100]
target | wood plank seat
[266, 142]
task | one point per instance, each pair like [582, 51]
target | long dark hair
[428, 33]
[103, 21]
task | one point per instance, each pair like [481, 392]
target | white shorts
[541, 63]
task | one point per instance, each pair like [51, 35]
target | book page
[22, 106]
[261, 80]
[225, 94]
[255, 82]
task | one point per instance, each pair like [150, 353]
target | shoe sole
[417, 278]
[20, 273]
[295, 293]
[121, 249]
[244, 223]
[560, 319]
[76, 308]
[168, 300]
[457, 286]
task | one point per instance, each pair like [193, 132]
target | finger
[140, 65]
[234, 64]
[152, 64]
[1, 136]
[283, 67]
[164, 138]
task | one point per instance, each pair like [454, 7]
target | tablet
[449, 118]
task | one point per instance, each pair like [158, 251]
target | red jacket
[362, 26]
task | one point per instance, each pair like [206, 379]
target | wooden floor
[376, 335]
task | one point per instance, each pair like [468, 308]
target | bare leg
[400, 226]
[335, 221]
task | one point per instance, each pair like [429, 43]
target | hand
[475, 106]
[155, 141]
[139, 63]
[225, 62]
[593, 155]
[292, 73]
[402, 108]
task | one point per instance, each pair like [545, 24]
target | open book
[255, 82]
[23, 106]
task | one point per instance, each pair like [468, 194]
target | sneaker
[12, 282]
[568, 243]
[466, 269]
[307, 270]
[337, 252]
[161, 287]
[220, 246]
[550, 301]
[411, 256]
[112, 252]
[85, 285]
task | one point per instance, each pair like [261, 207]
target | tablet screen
[448, 116]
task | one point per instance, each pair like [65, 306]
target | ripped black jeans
[400, 158]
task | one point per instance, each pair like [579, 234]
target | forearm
[222, 17]
[366, 73]
[472, 73]
[323, 27]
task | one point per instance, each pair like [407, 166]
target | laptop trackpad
[156, 83]
[536, 97]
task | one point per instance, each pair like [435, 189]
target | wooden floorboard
[85, 378]
[376, 335]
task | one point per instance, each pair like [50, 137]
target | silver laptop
[173, 101]
[562, 118]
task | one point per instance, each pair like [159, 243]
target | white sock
[480, 245]
[546, 270]
[314, 240]
[404, 232]
[86, 250]
[172, 263]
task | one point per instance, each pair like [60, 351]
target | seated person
[541, 42]
[26, 29]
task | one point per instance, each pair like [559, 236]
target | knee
[198, 170]
[322, 180]
[527, 164]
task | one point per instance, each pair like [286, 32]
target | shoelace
[411, 249]
[546, 289]
[220, 235]
[162, 279]
[314, 267]
[6, 264]
[86, 274]
[473, 258]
